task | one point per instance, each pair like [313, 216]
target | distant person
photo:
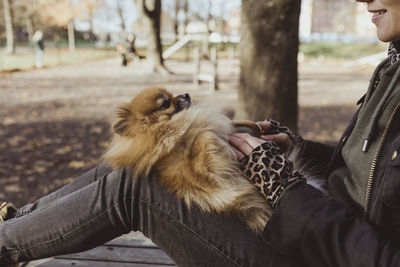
[127, 50]
[124, 55]
[131, 41]
[132, 48]
[37, 39]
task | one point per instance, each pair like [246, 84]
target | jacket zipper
[375, 160]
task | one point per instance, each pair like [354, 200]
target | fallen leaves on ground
[37, 158]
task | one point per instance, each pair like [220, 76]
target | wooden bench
[133, 250]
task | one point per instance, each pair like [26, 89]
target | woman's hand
[275, 132]
[265, 165]
[244, 143]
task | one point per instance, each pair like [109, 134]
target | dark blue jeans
[103, 204]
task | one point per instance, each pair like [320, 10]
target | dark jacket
[328, 230]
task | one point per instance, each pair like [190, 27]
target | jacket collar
[394, 51]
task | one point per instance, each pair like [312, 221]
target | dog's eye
[166, 104]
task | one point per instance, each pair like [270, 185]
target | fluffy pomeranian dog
[188, 147]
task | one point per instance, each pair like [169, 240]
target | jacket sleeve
[316, 154]
[322, 232]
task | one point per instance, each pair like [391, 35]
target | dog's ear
[121, 125]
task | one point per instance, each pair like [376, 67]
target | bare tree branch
[9, 27]
[146, 10]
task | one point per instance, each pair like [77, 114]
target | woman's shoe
[7, 210]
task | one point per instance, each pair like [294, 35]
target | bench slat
[87, 263]
[122, 254]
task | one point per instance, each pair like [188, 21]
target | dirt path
[55, 121]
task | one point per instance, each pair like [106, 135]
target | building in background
[363, 25]
[324, 21]
[320, 21]
[233, 22]
[305, 24]
[335, 20]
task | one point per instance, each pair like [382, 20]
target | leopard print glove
[268, 169]
[277, 128]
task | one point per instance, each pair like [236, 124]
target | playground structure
[201, 74]
[198, 76]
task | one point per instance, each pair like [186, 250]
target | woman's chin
[385, 36]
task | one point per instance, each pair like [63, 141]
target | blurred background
[80, 30]
[66, 64]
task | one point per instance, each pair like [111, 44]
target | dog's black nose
[186, 96]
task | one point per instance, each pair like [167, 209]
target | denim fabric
[103, 204]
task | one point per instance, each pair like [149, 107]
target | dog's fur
[189, 149]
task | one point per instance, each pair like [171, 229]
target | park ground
[55, 121]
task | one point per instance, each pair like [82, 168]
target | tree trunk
[71, 35]
[176, 22]
[205, 49]
[9, 27]
[29, 26]
[186, 11]
[121, 16]
[221, 22]
[151, 12]
[268, 54]
[185, 24]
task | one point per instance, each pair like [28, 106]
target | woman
[359, 224]
[307, 227]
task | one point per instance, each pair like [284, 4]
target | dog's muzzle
[184, 101]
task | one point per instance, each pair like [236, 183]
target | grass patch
[340, 50]
[25, 58]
